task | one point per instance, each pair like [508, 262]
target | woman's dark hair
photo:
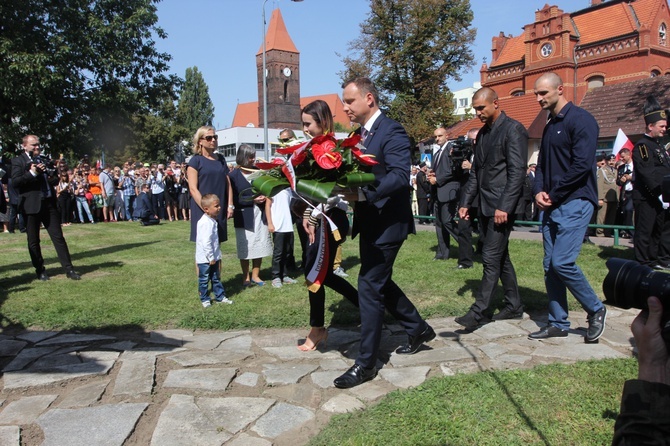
[322, 115]
[245, 153]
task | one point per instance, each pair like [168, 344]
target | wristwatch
[231, 206]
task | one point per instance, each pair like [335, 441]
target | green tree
[195, 107]
[74, 72]
[410, 49]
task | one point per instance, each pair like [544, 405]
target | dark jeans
[13, 214]
[497, 265]
[65, 206]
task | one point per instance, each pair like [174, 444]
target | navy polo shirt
[566, 165]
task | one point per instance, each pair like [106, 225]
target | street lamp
[266, 146]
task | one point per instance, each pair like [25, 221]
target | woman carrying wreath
[317, 120]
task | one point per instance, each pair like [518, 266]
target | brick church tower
[283, 77]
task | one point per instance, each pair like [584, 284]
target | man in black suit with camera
[382, 220]
[37, 201]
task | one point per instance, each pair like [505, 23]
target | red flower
[299, 155]
[324, 155]
[351, 141]
[362, 158]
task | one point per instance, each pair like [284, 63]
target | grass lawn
[140, 278]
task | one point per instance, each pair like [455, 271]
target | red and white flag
[621, 142]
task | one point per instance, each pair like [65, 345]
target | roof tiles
[277, 37]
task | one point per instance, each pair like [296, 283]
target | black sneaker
[549, 332]
[596, 325]
[507, 313]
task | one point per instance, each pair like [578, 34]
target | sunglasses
[211, 137]
[284, 140]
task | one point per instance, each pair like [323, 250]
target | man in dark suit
[422, 192]
[38, 203]
[144, 209]
[447, 186]
[497, 174]
[382, 219]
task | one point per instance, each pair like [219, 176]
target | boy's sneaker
[276, 282]
[225, 300]
[339, 271]
[288, 280]
[206, 304]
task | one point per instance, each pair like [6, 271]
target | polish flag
[621, 142]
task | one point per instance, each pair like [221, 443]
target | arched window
[518, 93]
[662, 34]
[286, 98]
[596, 82]
[654, 73]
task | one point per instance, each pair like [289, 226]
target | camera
[628, 285]
[50, 165]
[461, 150]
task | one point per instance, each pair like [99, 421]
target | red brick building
[608, 43]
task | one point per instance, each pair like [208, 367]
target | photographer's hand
[653, 359]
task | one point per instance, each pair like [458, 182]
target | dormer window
[662, 34]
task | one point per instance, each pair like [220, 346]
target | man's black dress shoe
[72, 274]
[43, 276]
[356, 375]
[439, 258]
[507, 313]
[471, 322]
[461, 266]
[415, 342]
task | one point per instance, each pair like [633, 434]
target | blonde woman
[208, 174]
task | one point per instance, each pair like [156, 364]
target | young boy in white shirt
[208, 253]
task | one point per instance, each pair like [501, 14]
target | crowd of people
[90, 193]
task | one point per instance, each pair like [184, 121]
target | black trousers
[317, 300]
[651, 241]
[465, 249]
[65, 205]
[423, 208]
[378, 292]
[158, 204]
[283, 246]
[497, 265]
[48, 216]
[445, 226]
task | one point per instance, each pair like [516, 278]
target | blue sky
[221, 38]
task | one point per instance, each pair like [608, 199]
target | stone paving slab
[201, 358]
[432, 356]
[343, 403]
[282, 418]
[27, 356]
[405, 377]
[325, 378]
[11, 347]
[574, 352]
[74, 339]
[10, 435]
[91, 425]
[182, 422]
[214, 380]
[37, 336]
[26, 410]
[291, 353]
[136, 377]
[301, 394]
[33, 378]
[86, 395]
[277, 374]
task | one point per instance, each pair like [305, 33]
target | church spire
[277, 37]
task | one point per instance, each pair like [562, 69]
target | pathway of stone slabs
[253, 387]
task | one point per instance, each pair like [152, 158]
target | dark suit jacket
[447, 185]
[143, 207]
[498, 170]
[386, 216]
[423, 186]
[243, 200]
[29, 186]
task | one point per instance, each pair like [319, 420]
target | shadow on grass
[112, 249]
[607, 252]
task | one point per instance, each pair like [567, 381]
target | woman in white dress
[251, 227]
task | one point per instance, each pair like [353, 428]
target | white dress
[254, 244]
